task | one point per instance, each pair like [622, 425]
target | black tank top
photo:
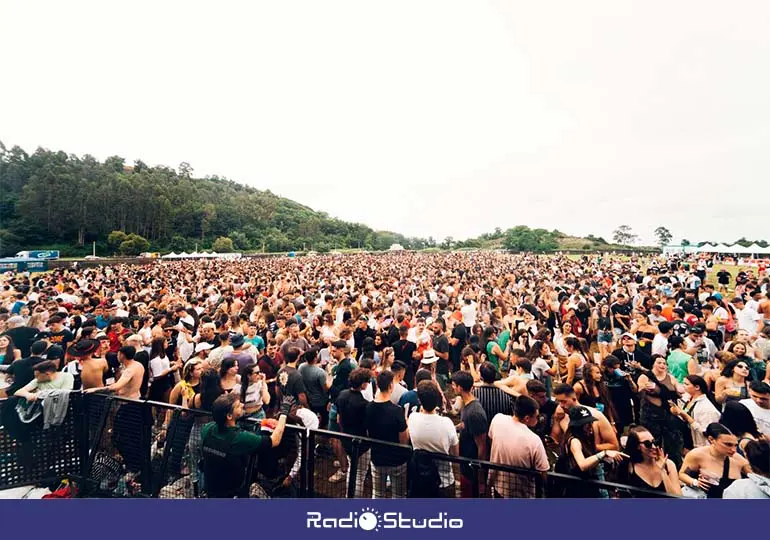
[637, 481]
[586, 398]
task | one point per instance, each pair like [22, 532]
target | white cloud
[440, 118]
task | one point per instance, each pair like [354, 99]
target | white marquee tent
[202, 255]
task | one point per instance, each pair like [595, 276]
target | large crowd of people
[650, 372]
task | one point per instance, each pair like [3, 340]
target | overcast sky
[440, 118]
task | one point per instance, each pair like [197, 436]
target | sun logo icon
[369, 520]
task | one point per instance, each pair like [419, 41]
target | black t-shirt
[62, 338]
[723, 277]
[23, 337]
[681, 328]
[621, 309]
[475, 423]
[545, 418]
[22, 372]
[290, 382]
[460, 333]
[441, 344]
[403, 351]
[384, 421]
[351, 407]
[626, 358]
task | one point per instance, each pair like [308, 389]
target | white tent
[756, 249]
[171, 255]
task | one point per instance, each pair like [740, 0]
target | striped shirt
[494, 401]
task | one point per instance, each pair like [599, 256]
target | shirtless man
[606, 438]
[131, 374]
[90, 369]
[764, 309]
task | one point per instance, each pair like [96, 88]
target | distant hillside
[61, 201]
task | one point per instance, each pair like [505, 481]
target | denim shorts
[604, 336]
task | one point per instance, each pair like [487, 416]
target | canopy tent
[735, 249]
[202, 255]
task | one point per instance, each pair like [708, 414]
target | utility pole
[94, 248]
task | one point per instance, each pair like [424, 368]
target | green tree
[223, 244]
[685, 242]
[240, 240]
[134, 245]
[624, 235]
[116, 238]
[178, 243]
[663, 235]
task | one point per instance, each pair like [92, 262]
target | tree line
[55, 200]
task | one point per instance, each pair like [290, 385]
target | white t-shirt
[539, 368]
[660, 345]
[158, 365]
[747, 319]
[253, 393]
[469, 314]
[434, 433]
[761, 416]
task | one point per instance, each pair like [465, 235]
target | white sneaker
[339, 476]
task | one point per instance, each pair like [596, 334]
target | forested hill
[56, 200]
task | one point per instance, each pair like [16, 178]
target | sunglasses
[649, 444]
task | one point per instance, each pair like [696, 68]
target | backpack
[423, 478]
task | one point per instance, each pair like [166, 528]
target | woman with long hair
[604, 329]
[648, 466]
[644, 332]
[162, 371]
[592, 392]
[579, 456]
[8, 352]
[469, 361]
[542, 362]
[228, 374]
[679, 361]
[560, 347]
[709, 470]
[711, 376]
[576, 361]
[738, 418]
[253, 392]
[698, 413]
[659, 391]
[145, 331]
[733, 385]
[184, 391]
[494, 353]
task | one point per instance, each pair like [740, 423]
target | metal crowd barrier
[116, 447]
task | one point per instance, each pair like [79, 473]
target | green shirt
[63, 381]
[677, 364]
[257, 341]
[503, 339]
[491, 356]
[241, 442]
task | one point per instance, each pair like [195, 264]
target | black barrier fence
[115, 447]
